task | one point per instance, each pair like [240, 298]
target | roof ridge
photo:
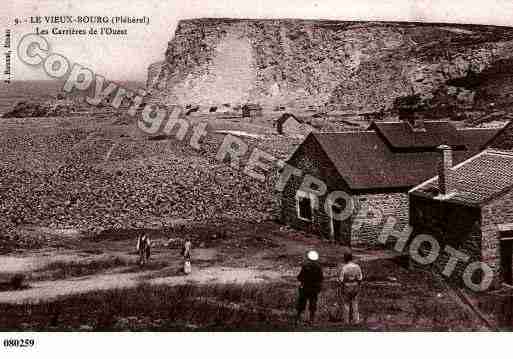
[343, 132]
[479, 128]
[470, 159]
[499, 152]
[406, 122]
[440, 121]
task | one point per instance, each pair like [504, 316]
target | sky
[127, 57]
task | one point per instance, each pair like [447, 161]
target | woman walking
[186, 252]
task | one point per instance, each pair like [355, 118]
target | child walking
[186, 252]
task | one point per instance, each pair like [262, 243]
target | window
[505, 231]
[507, 234]
[305, 208]
[305, 203]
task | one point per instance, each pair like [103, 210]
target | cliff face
[300, 63]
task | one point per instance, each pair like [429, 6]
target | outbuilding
[251, 110]
[289, 125]
[469, 208]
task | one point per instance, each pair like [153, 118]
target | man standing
[350, 279]
[311, 278]
[143, 248]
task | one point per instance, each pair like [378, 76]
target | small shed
[287, 120]
[251, 110]
[290, 125]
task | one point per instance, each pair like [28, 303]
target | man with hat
[311, 278]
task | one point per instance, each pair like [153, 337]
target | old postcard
[269, 166]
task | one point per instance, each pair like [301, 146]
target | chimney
[444, 170]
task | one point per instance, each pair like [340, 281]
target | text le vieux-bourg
[85, 20]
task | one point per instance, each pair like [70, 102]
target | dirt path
[117, 267]
[50, 290]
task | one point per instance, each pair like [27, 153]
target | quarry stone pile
[45, 109]
[66, 178]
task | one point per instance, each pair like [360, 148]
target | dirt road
[84, 266]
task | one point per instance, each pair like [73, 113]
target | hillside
[362, 66]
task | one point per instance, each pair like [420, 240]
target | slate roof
[477, 180]
[286, 116]
[504, 139]
[252, 106]
[375, 160]
[401, 135]
[480, 138]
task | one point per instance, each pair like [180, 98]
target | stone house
[470, 208]
[376, 167]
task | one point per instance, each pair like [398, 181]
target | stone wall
[451, 225]
[371, 213]
[499, 211]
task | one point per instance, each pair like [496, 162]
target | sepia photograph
[269, 166]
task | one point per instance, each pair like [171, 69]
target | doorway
[339, 231]
[506, 253]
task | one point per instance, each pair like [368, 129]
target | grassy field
[247, 307]
[393, 298]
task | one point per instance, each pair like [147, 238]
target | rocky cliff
[362, 66]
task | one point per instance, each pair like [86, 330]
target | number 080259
[18, 343]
